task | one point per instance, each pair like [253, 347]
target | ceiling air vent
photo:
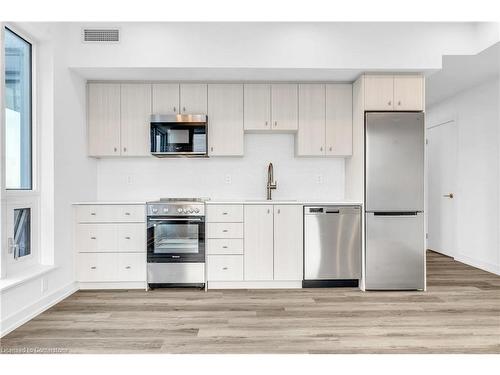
[101, 35]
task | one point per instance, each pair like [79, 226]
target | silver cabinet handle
[275, 123]
[93, 238]
[224, 213]
[224, 230]
[92, 214]
[321, 148]
[211, 148]
[115, 149]
[389, 102]
[93, 267]
[127, 238]
[266, 123]
[449, 195]
[175, 109]
[127, 213]
[279, 211]
[127, 268]
[399, 102]
[183, 109]
[124, 149]
[224, 268]
[224, 247]
[268, 211]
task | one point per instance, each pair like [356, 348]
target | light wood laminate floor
[459, 313]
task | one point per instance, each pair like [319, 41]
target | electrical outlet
[319, 179]
[44, 285]
[227, 179]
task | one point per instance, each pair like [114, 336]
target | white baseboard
[19, 318]
[113, 285]
[485, 266]
[254, 284]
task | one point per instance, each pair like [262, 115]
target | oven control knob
[196, 210]
[180, 210]
[165, 210]
[190, 211]
[155, 210]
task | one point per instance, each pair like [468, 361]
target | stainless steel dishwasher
[332, 246]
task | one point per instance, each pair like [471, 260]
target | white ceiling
[461, 72]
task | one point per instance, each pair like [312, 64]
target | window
[18, 112]
[22, 232]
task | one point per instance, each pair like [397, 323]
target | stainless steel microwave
[179, 135]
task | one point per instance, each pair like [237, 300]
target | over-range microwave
[179, 135]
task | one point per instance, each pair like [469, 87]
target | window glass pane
[17, 112]
[22, 231]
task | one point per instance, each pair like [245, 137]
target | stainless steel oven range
[176, 242]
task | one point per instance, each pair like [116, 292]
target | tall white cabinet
[135, 112]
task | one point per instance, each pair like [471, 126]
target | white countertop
[277, 201]
[107, 202]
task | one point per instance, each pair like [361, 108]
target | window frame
[23, 198]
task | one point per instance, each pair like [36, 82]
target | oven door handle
[178, 219]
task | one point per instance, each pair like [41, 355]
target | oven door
[176, 239]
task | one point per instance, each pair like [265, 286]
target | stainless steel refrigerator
[394, 200]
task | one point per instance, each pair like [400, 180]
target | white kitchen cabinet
[225, 120]
[97, 267]
[284, 106]
[96, 238]
[408, 93]
[225, 267]
[288, 242]
[379, 92]
[224, 246]
[257, 107]
[135, 119]
[225, 213]
[193, 98]
[258, 242]
[225, 230]
[338, 134]
[165, 98]
[131, 267]
[131, 237]
[103, 119]
[311, 133]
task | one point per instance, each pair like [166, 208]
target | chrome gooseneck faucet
[270, 184]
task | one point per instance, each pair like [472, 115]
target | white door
[311, 134]
[284, 106]
[441, 182]
[103, 119]
[225, 124]
[165, 98]
[258, 242]
[257, 106]
[135, 116]
[338, 119]
[288, 242]
[193, 98]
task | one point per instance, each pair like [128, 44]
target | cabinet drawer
[97, 266]
[96, 238]
[225, 213]
[134, 213]
[224, 230]
[110, 213]
[131, 267]
[131, 237]
[224, 246]
[225, 268]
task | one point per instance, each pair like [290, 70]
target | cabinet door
[338, 120]
[288, 242]
[165, 97]
[135, 116]
[408, 93]
[225, 119]
[311, 134]
[257, 107]
[193, 98]
[96, 238]
[284, 106]
[258, 242]
[379, 92]
[131, 237]
[131, 267]
[103, 114]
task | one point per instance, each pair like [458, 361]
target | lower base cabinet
[225, 267]
[111, 267]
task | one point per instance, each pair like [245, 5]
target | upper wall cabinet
[338, 132]
[284, 106]
[325, 120]
[103, 119]
[135, 116]
[225, 113]
[394, 93]
[165, 98]
[193, 98]
[257, 107]
[271, 107]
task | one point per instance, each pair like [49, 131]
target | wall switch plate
[319, 179]
[227, 179]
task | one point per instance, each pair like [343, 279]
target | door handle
[448, 196]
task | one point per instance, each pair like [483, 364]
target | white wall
[477, 115]
[152, 178]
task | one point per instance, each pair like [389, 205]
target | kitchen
[199, 198]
